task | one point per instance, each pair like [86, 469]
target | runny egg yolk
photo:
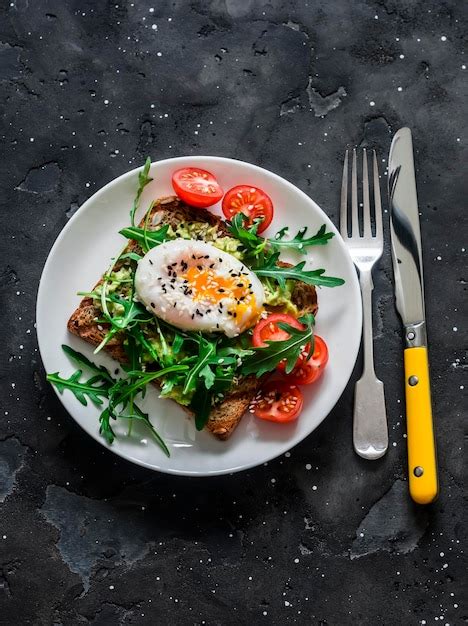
[212, 287]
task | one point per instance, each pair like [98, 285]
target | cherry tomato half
[250, 201]
[268, 329]
[196, 187]
[307, 372]
[278, 401]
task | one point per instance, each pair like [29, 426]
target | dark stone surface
[88, 90]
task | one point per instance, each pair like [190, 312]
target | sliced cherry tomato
[278, 401]
[250, 201]
[307, 372]
[196, 187]
[268, 329]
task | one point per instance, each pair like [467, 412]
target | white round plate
[81, 254]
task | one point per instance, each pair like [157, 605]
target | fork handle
[367, 286]
[370, 432]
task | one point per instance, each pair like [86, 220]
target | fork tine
[344, 200]
[367, 232]
[377, 202]
[354, 205]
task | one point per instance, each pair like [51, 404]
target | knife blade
[409, 293]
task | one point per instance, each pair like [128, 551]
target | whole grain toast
[226, 415]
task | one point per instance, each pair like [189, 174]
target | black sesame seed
[174, 305]
[240, 284]
[211, 266]
[193, 315]
[153, 306]
[150, 261]
[199, 267]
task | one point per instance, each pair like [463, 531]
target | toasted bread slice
[225, 416]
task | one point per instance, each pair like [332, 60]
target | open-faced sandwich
[205, 309]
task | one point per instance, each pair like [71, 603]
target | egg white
[163, 283]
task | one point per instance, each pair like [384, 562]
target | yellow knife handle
[422, 463]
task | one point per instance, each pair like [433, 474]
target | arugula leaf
[81, 358]
[236, 351]
[177, 344]
[138, 414]
[266, 359]
[300, 242]
[259, 246]
[247, 236]
[119, 394]
[206, 349]
[146, 238]
[137, 333]
[133, 312]
[296, 272]
[208, 376]
[143, 180]
[105, 428]
[201, 406]
[134, 359]
[133, 256]
[94, 388]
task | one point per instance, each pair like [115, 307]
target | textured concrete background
[319, 536]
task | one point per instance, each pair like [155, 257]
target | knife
[409, 293]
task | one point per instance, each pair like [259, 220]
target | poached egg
[195, 286]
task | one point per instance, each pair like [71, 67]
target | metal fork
[370, 433]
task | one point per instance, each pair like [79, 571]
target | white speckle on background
[372, 103]
[402, 56]
[308, 466]
[443, 38]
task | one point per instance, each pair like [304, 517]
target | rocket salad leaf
[143, 180]
[264, 360]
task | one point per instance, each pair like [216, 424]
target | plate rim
[95, 196]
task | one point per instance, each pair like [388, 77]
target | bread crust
[226, 415]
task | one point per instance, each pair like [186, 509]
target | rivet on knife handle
[422, 463]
